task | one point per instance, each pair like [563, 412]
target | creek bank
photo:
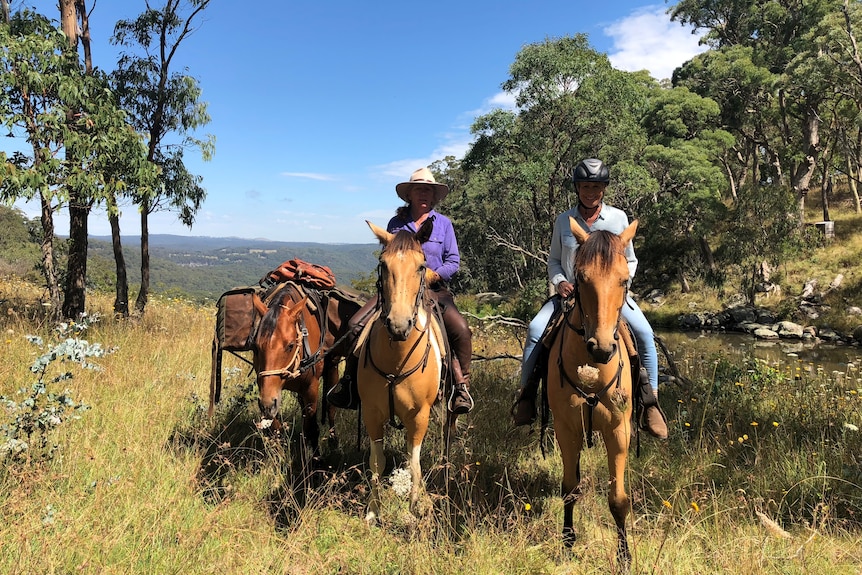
[762, 323]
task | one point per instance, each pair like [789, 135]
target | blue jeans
[631, 313]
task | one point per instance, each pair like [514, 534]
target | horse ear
[580, 233]
[382, 235]
[629, 233]
[425, 230]
[259, 306]
[297, 308]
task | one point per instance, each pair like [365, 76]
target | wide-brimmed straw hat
[422, 176]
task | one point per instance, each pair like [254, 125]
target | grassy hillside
[761, 473]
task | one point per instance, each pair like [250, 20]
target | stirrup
[460, 401]
[343, 395]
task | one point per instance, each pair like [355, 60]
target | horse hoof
[371, 519]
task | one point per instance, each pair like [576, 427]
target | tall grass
[145, 482]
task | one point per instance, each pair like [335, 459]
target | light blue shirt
[561, 257]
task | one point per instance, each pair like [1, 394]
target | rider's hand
[432, 277]
[565, 288]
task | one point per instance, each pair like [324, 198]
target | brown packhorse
[293, 350]
[589, 376]
[401, 362]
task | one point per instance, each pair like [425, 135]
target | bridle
[293, 367]
[381, 300]
[399, 375]
[302, 358]
[592, 399]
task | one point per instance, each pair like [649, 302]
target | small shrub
[27, 435]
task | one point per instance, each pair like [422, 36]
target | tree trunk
[706, 254]
[75, 299]
[121, 299]
[49, 266]
[76, 269]
[143, 294]
[805, 169]
[852, 182]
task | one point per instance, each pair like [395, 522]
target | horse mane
[600, 247]
[269, 321]
[403, 241]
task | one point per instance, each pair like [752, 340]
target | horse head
[601, 284]
[278, 348]
[401, 277]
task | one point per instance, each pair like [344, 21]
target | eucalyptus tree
[570, 103]
[160, 103]
[79, 147]
[687, 158]
[774, 114]
[835, 63]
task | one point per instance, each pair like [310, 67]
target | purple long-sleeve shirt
[441, 249]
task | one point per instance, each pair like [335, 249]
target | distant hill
[205, 267]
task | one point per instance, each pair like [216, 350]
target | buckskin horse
[589, 376]
[401, 360]
[298, 342]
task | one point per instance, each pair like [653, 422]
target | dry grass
[145, 483]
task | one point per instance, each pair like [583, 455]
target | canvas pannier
[235, 319]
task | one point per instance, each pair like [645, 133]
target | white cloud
[648, 40]
[309, 176]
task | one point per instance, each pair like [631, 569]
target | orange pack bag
[296, 270]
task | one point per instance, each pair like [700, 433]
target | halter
[289, 371]
[299, 364]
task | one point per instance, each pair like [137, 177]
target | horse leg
[617, 443]
[330, 376]
[415, 434]
[570, 443]
[374, 421]
[310, 428]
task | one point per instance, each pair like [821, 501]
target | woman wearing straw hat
[422, 193]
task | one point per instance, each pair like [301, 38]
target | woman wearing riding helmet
[591, 178]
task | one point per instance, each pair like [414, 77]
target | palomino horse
[293, 349]
[400, 362]
[589, 375]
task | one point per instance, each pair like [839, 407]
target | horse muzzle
[399, 331]
[601, 354]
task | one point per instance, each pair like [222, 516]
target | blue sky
[320, 107]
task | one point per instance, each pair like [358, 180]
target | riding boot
[653, 419]
[345, 394]
[460, 400]
[524, 410]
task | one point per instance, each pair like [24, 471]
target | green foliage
[34, 420]
[764, 229]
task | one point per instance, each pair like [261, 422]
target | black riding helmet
[591, 170]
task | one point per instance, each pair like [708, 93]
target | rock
[789, 330]
[765, 333]
[857, 333]
[742, 314]
[853, 310]
[492, 298]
